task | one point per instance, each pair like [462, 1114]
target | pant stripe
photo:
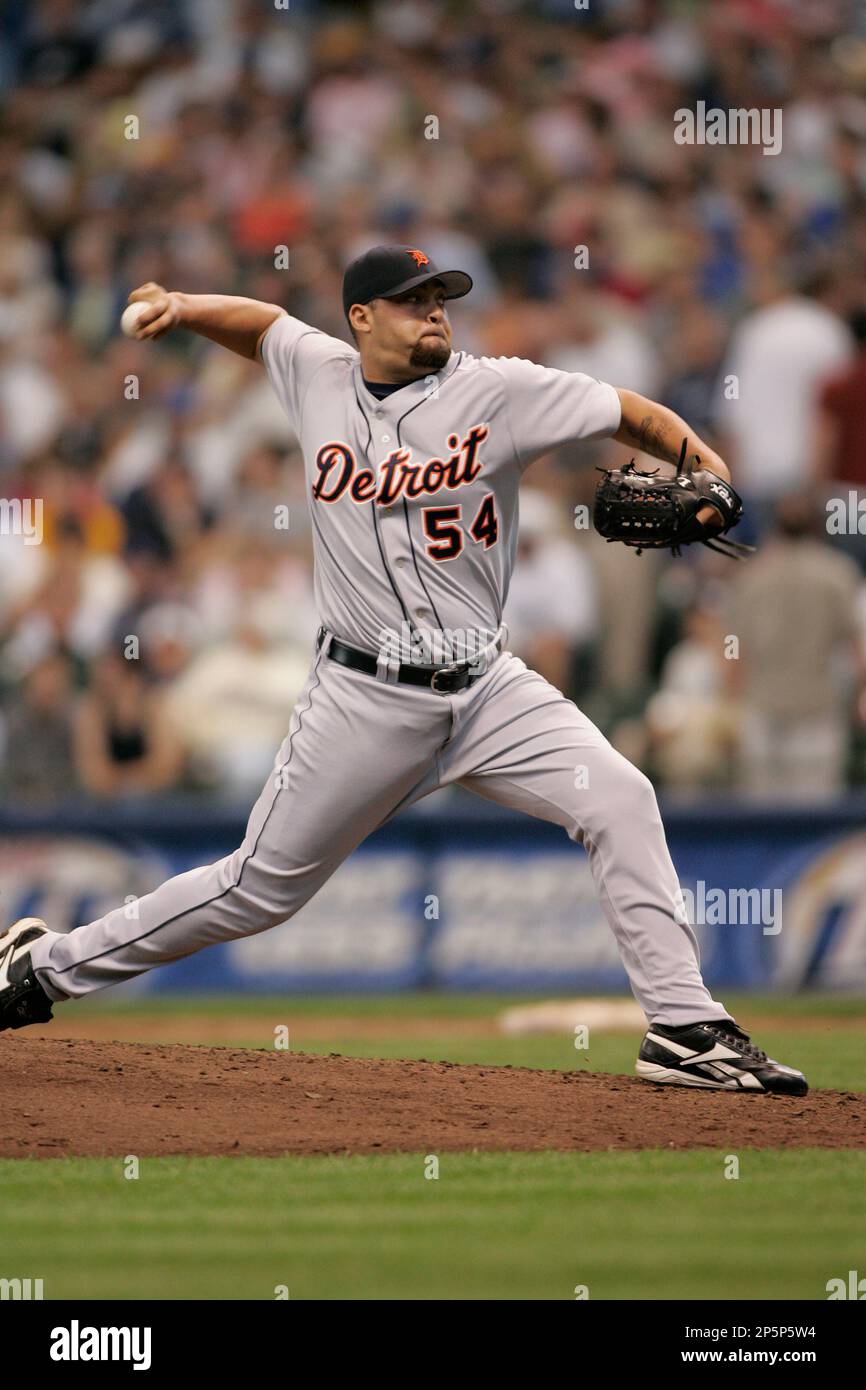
[124, 945]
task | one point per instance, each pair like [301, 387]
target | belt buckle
[452, 670]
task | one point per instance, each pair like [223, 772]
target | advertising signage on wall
[485, 904]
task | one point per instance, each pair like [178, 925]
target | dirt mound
[110, 1098]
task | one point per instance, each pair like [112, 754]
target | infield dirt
[69, 1096]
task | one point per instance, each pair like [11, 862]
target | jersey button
[401, 563]
[423, 614]
[386, 439]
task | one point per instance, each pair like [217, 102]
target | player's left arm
[659, 432]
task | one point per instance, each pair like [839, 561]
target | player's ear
[360, 319]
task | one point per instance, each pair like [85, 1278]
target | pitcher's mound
[111, 1098]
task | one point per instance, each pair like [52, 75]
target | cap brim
[456, 282]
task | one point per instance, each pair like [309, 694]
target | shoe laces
[733, 1035]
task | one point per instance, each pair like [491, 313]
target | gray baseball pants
[360, 749]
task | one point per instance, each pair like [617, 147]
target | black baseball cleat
[22, 998]
[716, 1054]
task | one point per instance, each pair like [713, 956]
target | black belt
[445, 680]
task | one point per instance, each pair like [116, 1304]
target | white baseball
[130, 316]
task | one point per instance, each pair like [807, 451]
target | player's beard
[429, 354]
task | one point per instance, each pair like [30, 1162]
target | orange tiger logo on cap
[419, 258]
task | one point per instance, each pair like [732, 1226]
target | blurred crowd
[157, 638]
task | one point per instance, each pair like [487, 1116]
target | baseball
[130, 316]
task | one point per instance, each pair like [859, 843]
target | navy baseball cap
[384, 271]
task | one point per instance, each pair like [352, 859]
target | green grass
[834, 1063]
[653, 1224]
[831, 1057]
[430, 1003]
[493, 1226]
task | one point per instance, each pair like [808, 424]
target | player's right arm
[235, 323]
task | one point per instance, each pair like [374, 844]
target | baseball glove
[649, 512]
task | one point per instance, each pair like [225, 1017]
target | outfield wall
[458, 894]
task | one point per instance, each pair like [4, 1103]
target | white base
[560, 1016]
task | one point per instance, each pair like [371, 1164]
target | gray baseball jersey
[414, 507]
[414, 497]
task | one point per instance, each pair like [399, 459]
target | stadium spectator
[232, 705]
[778, 357]
[793, 610]
[551, 612]
[124, 744]
[72, 602]
[840, 445]
[597, 336]
[164, 515]
[691, 720]
[36, 734]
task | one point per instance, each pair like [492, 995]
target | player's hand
[164, 310]
[709, 516]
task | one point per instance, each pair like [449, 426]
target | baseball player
[414, 454]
